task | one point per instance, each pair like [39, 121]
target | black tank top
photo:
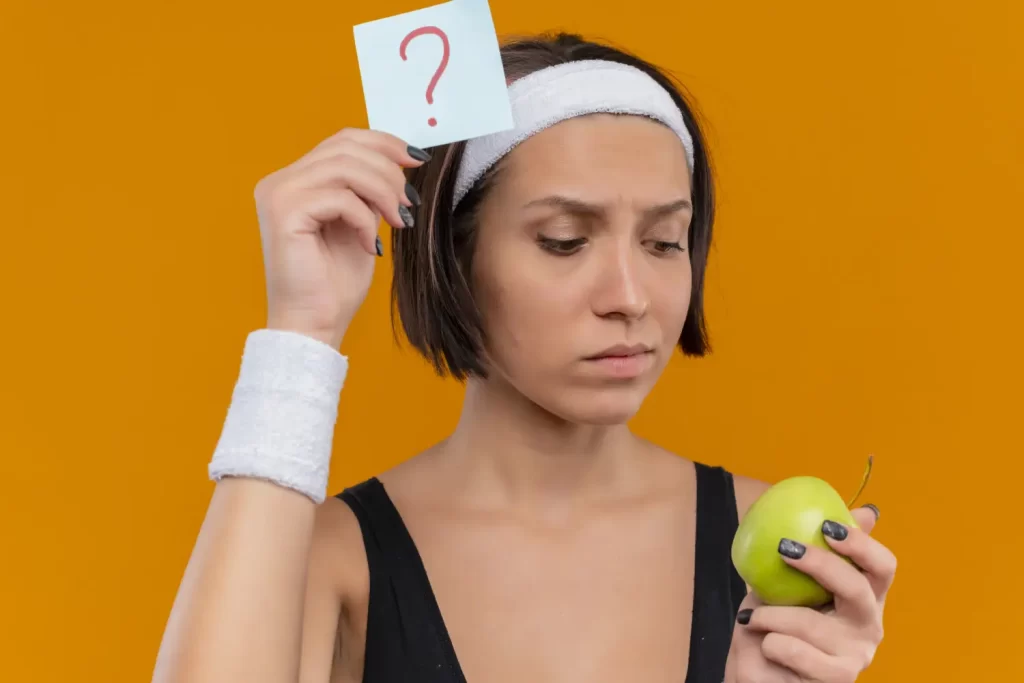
[406, 639]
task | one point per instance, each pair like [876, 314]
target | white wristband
[280, 425]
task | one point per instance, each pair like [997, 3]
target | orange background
[864, 293]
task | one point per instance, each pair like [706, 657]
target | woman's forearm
[238, 612]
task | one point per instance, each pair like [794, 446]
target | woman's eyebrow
[579, 207]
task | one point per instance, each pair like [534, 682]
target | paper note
[434, 76]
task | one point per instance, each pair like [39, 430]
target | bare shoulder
[747, 491]
[338, 553]
[423, 474]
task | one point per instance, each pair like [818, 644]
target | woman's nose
[619, 291]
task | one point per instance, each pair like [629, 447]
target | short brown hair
[431, 291]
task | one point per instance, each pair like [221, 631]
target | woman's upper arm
[747, 491]
[334, 564]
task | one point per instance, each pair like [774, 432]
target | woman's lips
[624, 366]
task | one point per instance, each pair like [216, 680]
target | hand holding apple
[801, 644]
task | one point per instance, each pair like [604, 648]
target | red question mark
[440, 69]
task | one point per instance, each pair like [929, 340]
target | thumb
[866, 517]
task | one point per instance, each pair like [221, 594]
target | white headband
[549, 96]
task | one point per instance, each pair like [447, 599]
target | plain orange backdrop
[864, 296]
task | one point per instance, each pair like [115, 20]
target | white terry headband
[549, 96]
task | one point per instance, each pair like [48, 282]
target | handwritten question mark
[440, 69]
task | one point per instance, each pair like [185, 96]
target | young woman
[555, 268]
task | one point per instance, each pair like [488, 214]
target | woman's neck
[507, 451]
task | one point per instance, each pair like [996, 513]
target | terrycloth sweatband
[549, 96]
[280, 425]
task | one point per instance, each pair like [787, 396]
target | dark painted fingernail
[407, 218]
[834, 530]
[380, 247]
[873, 508]
[791, 549]
[418, 154]
[412, 194]
[743, 618]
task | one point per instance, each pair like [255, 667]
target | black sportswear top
[406, 639]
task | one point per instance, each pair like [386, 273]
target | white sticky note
[454, 44]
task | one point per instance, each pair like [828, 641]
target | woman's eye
[667, 247]
[561, 247]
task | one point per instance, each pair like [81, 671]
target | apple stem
[863, 481]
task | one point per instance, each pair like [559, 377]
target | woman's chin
[600, 408]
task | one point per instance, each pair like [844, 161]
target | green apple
[794, 508]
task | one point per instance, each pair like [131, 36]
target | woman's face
[581, 267]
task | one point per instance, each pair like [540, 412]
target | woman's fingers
[850, 588]
[370, 163]
[371, 159]
[331, 206]
[361, 177]
[876, 561]
[392, 148]
[866, 517]
[820, 630]
[807, 661]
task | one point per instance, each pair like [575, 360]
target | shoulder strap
[406, 639]
[717, 588]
